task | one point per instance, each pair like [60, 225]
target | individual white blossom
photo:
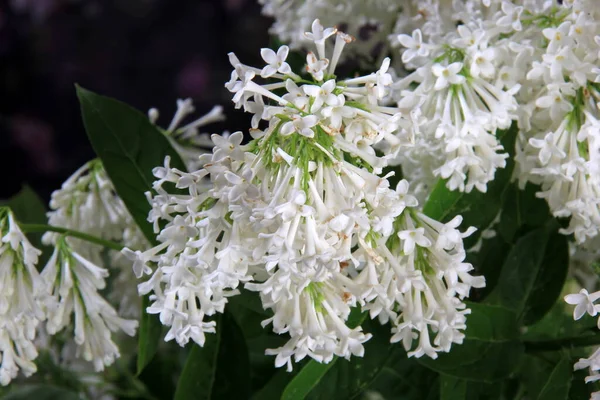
[584, 303]
[20, 309]
[275, 62]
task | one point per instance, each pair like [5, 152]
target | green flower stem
[35, 228]
[558, 344]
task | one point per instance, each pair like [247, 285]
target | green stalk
[558, 344]
[36, 228]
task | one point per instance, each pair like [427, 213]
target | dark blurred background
[146, 53]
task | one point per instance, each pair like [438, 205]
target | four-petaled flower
[447, 75]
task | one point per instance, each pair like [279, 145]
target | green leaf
[490, 323]
[489, 352]
[549, 281]
[306, 380]
[29, 208]
[247, 310]
[310, 375]
[527, 268]
[220, 369]
[488, 261]
[559, 382]
[149, 337]
[129, 147]
[403, 378]
[579, 389]
[40, 392]
[452, 388]
[458, 389]
[522, 211]
[478, 209]
[558, 323]
[348, 378]
[275, 387]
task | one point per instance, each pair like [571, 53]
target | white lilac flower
[87, 202]
[20, 290]
[369, 21]
[460, 113]
[584, 303]
[186, 138]
[418, 280]
[553, 54]
[202, 255]
[559, 141]
[72, 299]
[593, 365]
[301, 215]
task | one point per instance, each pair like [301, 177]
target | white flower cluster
[301, 215]
[584, 303]
[559, 146]
[457, 105]
[67, 285]
[87, 202]
[72, 288]
[370, 21]
[20, 289]
[534, 61]
[187, 140]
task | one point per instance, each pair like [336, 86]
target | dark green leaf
[490, 323]
[348, 378]
[149, 337]
[558, 323]
[458, 389]
[29, 208]
[522, 211]
[475, 360]
[160, 375]
[275, 387]
[306, 380]
[534, 373]
[488, 261]
[522, 277]
[579, 389]
[40, 392]
[559, 382]
[310, 375]
[478, 209]
[403, 378]
[220, 369]
[489, 351]
[549, 281]
[452, 388]
[129, 147]
[247, 310]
